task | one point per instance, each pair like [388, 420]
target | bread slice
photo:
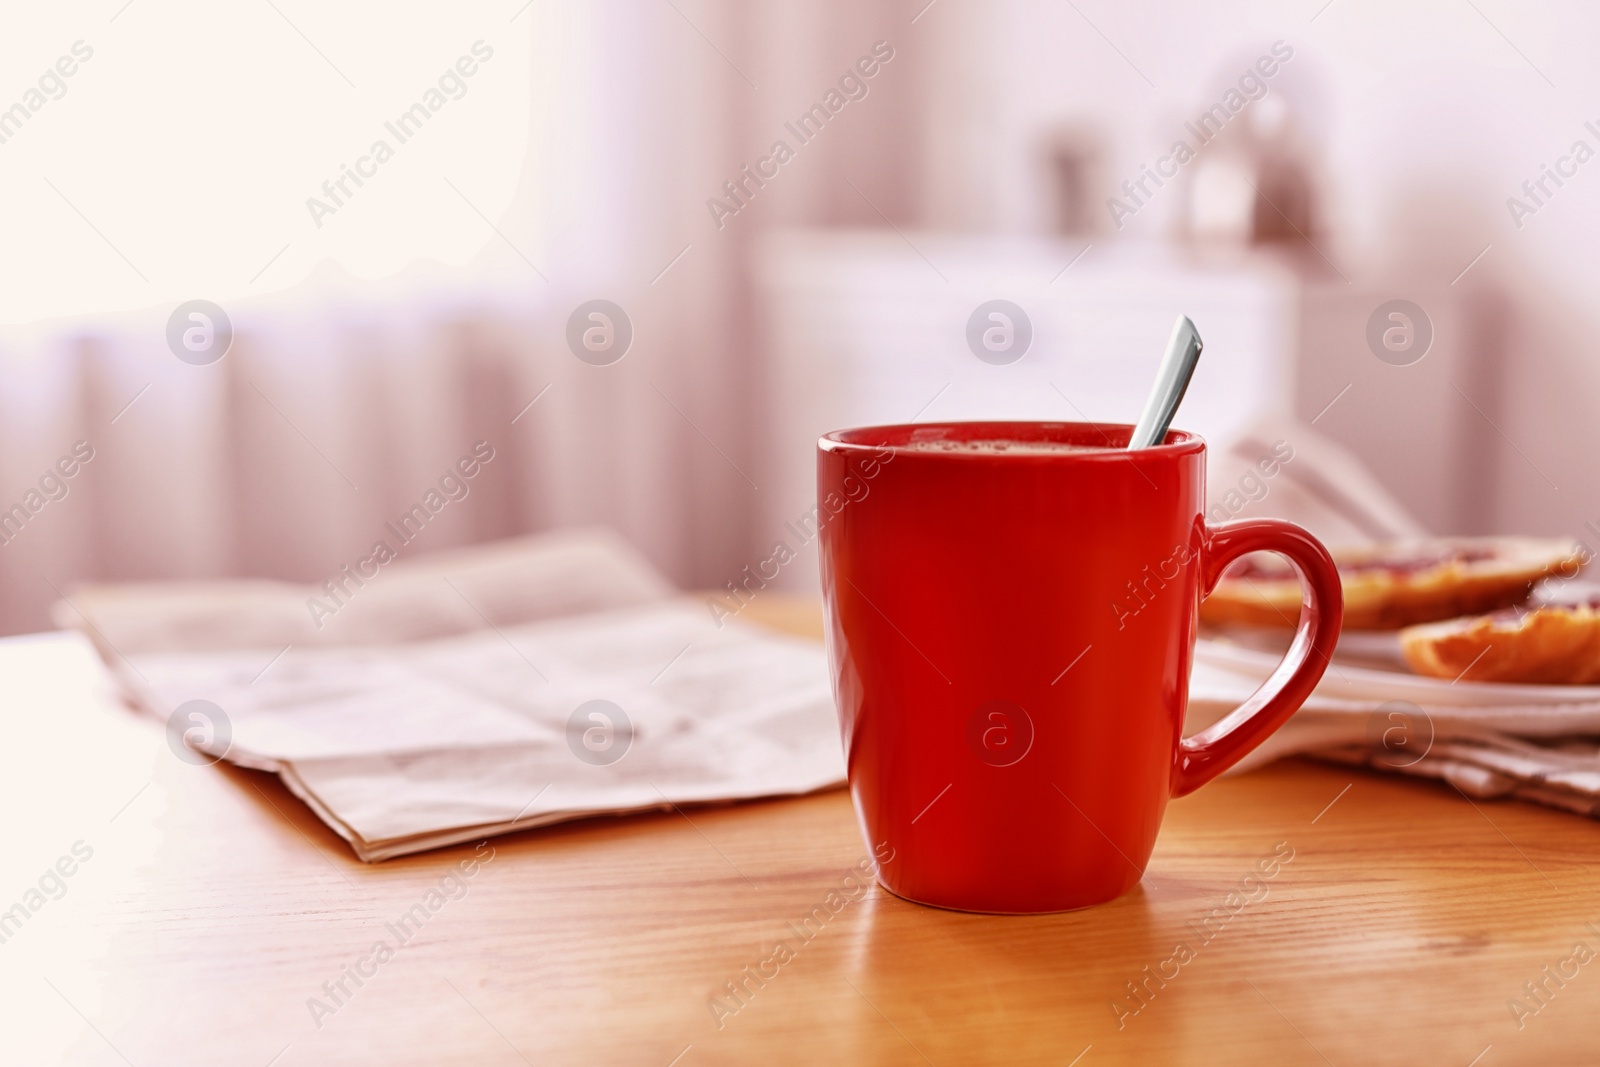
[1548, 645]
[1397, 584]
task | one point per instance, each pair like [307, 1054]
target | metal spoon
[1177, 367]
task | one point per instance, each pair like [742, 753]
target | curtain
[340, 404]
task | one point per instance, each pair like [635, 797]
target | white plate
[1347, 681]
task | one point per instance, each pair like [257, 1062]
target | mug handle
[1219, 746]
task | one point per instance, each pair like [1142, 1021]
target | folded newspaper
[476, 692]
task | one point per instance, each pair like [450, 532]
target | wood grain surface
[1398, 924]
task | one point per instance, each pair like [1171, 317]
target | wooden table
[214, 907]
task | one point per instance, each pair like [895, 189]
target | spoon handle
[1177, 367]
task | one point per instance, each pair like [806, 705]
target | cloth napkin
[1537, 742]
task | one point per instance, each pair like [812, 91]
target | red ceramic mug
[1010, 633]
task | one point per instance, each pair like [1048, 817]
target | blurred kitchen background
[979, 160]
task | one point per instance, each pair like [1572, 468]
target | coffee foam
[1003, 446]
